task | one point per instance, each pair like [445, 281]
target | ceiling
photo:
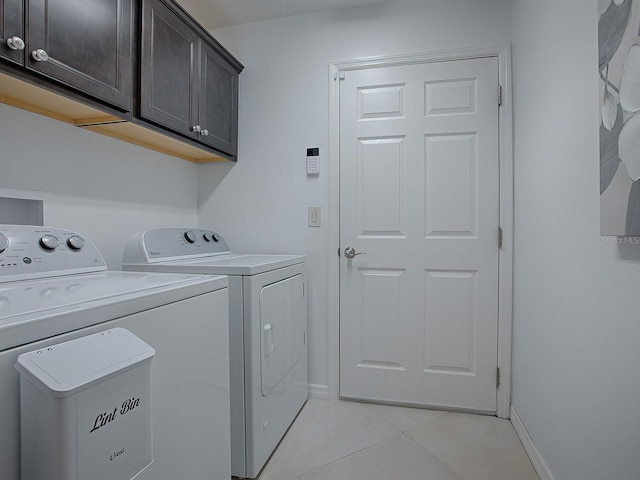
[223, 13]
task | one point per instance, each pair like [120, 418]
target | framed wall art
[619, 72]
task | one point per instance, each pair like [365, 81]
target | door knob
[350, 252]
[196, 128]
[15, 43]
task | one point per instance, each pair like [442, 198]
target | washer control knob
[207, 237]
[189, 236]
[75, 242]
[4, 242]
[214, 237]
[49, 242]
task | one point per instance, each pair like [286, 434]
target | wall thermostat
[313, 161]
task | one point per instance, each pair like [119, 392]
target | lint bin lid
[67, 368]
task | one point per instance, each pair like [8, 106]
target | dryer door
[283, 314]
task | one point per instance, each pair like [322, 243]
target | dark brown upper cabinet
[218, 102]
[189, 83]
[12, 44]
[169, 70]
[86, 45]
[142, 71]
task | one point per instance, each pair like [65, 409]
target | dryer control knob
[75, 242]
[207, 237]
[215, 238]
[4, 242]
[189, 236]
[49, 242]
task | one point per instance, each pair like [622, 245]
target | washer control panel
[162, 244]
[28, 252]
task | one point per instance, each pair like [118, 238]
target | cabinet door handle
[40, 55]
[205, 132]
[196, 128]
[15, 43]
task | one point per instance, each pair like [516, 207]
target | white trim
[505, 255]
[505, 287]
[539, 465]
[333, 222]
[321, 392]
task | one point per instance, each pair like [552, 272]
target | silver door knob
[196, 128]
[350, 252]
[40, 55]
[204, 132]
[15, 43]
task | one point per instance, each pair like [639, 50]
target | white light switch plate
[314, 216]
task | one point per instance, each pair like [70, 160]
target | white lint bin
[85, 408]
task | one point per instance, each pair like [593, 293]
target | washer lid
[232, 264]
[31, 310]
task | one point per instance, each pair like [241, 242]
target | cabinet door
[170, 69]
[11, 18]
[88, 43]
[218, 102]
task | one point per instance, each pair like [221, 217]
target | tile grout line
[347, 456]
[436, 456]
[356, 451]
[444, 413]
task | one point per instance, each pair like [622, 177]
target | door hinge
[497, 377]
[499, 95]
[338, 251]
[340, 75]
[500, 238]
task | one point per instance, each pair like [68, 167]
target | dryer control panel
[29, 252]
[166, 244]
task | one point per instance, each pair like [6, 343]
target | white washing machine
[267, 329]
[54, 287]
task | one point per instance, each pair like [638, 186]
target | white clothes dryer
[267, 331]
[54, 287]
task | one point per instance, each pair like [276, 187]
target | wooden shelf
[23, 95]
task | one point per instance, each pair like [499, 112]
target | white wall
[576, 306]
[100, 187]
[261, 203]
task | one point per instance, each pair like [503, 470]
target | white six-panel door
[419, 199]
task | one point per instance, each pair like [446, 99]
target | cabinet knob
[196, 128]
[205, 132]
[15, 43]
[40, 55]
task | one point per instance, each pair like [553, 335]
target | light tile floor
[337, 440]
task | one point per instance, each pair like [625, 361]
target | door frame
[505, 254]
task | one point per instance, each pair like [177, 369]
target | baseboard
[321, 392]
[537, 461]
